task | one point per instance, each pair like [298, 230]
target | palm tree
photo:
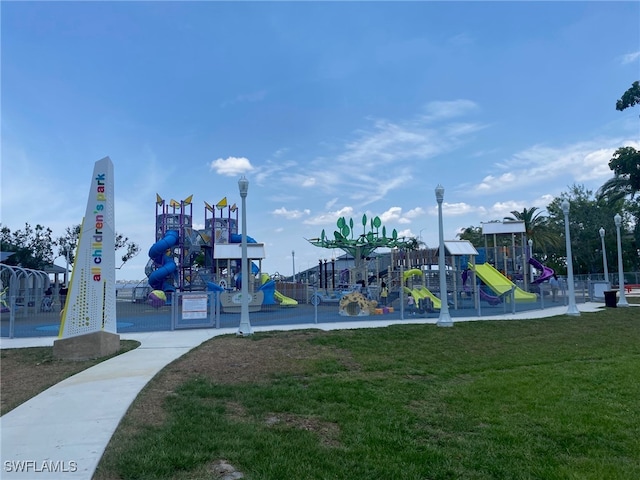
[625, 164]
[536, 227]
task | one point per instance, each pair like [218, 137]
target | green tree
[626, 180]
[131, 248]
[69, 241]
[629, 98]
[587, 214]
[537, 228]
[33, 247]
[472, 234]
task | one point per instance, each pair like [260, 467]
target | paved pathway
[62, 433]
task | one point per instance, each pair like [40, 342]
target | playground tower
[183, 257]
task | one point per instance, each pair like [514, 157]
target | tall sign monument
[91, 302]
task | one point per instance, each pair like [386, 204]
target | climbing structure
[361, 246]
[183, 257]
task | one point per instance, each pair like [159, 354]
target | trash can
[610, 298]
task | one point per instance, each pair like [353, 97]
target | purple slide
[546, 274]
[490, 299]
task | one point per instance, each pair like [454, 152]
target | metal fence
[315, 305]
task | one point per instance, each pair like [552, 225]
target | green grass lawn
[548, 399]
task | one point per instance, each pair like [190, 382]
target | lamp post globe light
[444, 320]
[572, 310]
[622, 302]
[604, 255]
[245, 324]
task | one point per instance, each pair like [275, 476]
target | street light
[572, 310]
[604, 255]
[530, 242]
[622, 302]
[293, 261]
[444, 320]
[245, 324]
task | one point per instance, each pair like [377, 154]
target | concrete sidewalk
[62, 432]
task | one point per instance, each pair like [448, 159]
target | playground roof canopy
[460, 247]
[491, 228]
[53, 268]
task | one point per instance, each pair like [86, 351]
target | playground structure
[185, 259]
[410, 270]
[353, 284]
[425, 300]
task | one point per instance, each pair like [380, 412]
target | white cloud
[383, 158]
[460, 208]
[596, 165]
[579, 162]
[330, 203]
[448, 109]
[391, 215]
[291, 214]
[415, 213]
[273, 168]
[629, 57]
[231, 166]
[329, 218]
[308, 182]
[499, 210]
[280, 152]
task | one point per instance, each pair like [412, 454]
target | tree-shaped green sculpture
[364, 244]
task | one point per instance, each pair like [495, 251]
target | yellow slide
[283, 299]
[421, 291]
[500, 284]
[426, 293]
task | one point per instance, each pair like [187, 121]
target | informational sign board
[194, 306]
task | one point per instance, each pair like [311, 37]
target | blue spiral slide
[158, 280]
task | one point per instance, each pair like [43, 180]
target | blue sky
[330, 109]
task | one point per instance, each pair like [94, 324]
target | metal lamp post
[293, 261]
[245, 324]
[622, 302]
[573, 309]
[444, 320]
[530, 242]
[604, 255]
